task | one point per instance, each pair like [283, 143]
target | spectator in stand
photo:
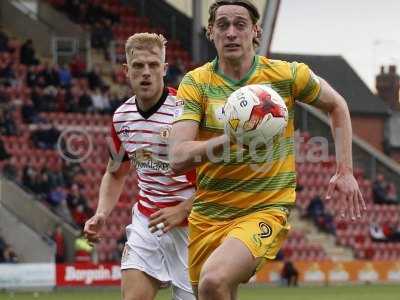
[7, 123]
[7, 73]
[27, 54]
[14, 47]
[102, 35]
[109, 16]
[80, 216]
[49, 98]
[9, 255]
[85, 102]
[97, 36]
[61, 99]
[289, 274]
[57, 198]
[29, 113]
[31, 76]
[4, 155]
[78, 206]
[64, 76]
[56, 176]
[9, 169]
[376, 233]
[385, 233]
[315, 208]
[391, 193]
[42, 185]
[54, 77]
[380, 189]
[100, 100]
[45, 136]
[71, 169]
[37, 99]
[322, 219]
[47, 75]
[3, 41]
[94, 12]
[29, 177]
[2, 247]
[58, 237]
[78, 66]
[20, 74]
[94, 78]
[4, 97]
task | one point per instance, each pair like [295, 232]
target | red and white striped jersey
[143, 136]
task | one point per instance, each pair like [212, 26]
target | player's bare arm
[169, 217]
[185, 152]
[111, 188]
[343, 181]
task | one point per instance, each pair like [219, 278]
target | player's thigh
[136, 285]
[230, 264]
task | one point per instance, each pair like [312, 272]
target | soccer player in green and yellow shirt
[239, 215]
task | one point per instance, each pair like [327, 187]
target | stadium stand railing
[32, 246]
[34, 214]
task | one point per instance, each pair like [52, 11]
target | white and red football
[255, 113]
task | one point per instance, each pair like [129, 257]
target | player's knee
[212, 283]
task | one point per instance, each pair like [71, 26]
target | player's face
[233, 32]
[145, 72]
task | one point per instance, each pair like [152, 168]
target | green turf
[366, 292]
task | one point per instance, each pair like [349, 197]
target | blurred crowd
[28, 88]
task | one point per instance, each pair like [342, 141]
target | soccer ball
[255, 114]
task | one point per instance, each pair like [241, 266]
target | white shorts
[164, 257]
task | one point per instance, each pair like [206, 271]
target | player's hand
[352, 199]
[93, 227]
[167, 218]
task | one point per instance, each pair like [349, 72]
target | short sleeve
[306, 85]
[116, 150]
[189, 98]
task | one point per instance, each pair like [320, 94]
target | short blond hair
[145, 41]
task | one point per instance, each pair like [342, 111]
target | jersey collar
[148, 113]
[234, 81]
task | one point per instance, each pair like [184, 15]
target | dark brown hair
[252, 9]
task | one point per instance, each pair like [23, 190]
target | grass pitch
[364, 292]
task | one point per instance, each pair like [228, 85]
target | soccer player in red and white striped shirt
[156, 248]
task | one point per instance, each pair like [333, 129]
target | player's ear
[209, 34]
[257, 31]
[125, 69]
[165, 69]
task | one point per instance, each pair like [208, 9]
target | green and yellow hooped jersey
[240, 182]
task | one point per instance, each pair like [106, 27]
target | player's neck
[236, 69]
[147, 104]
